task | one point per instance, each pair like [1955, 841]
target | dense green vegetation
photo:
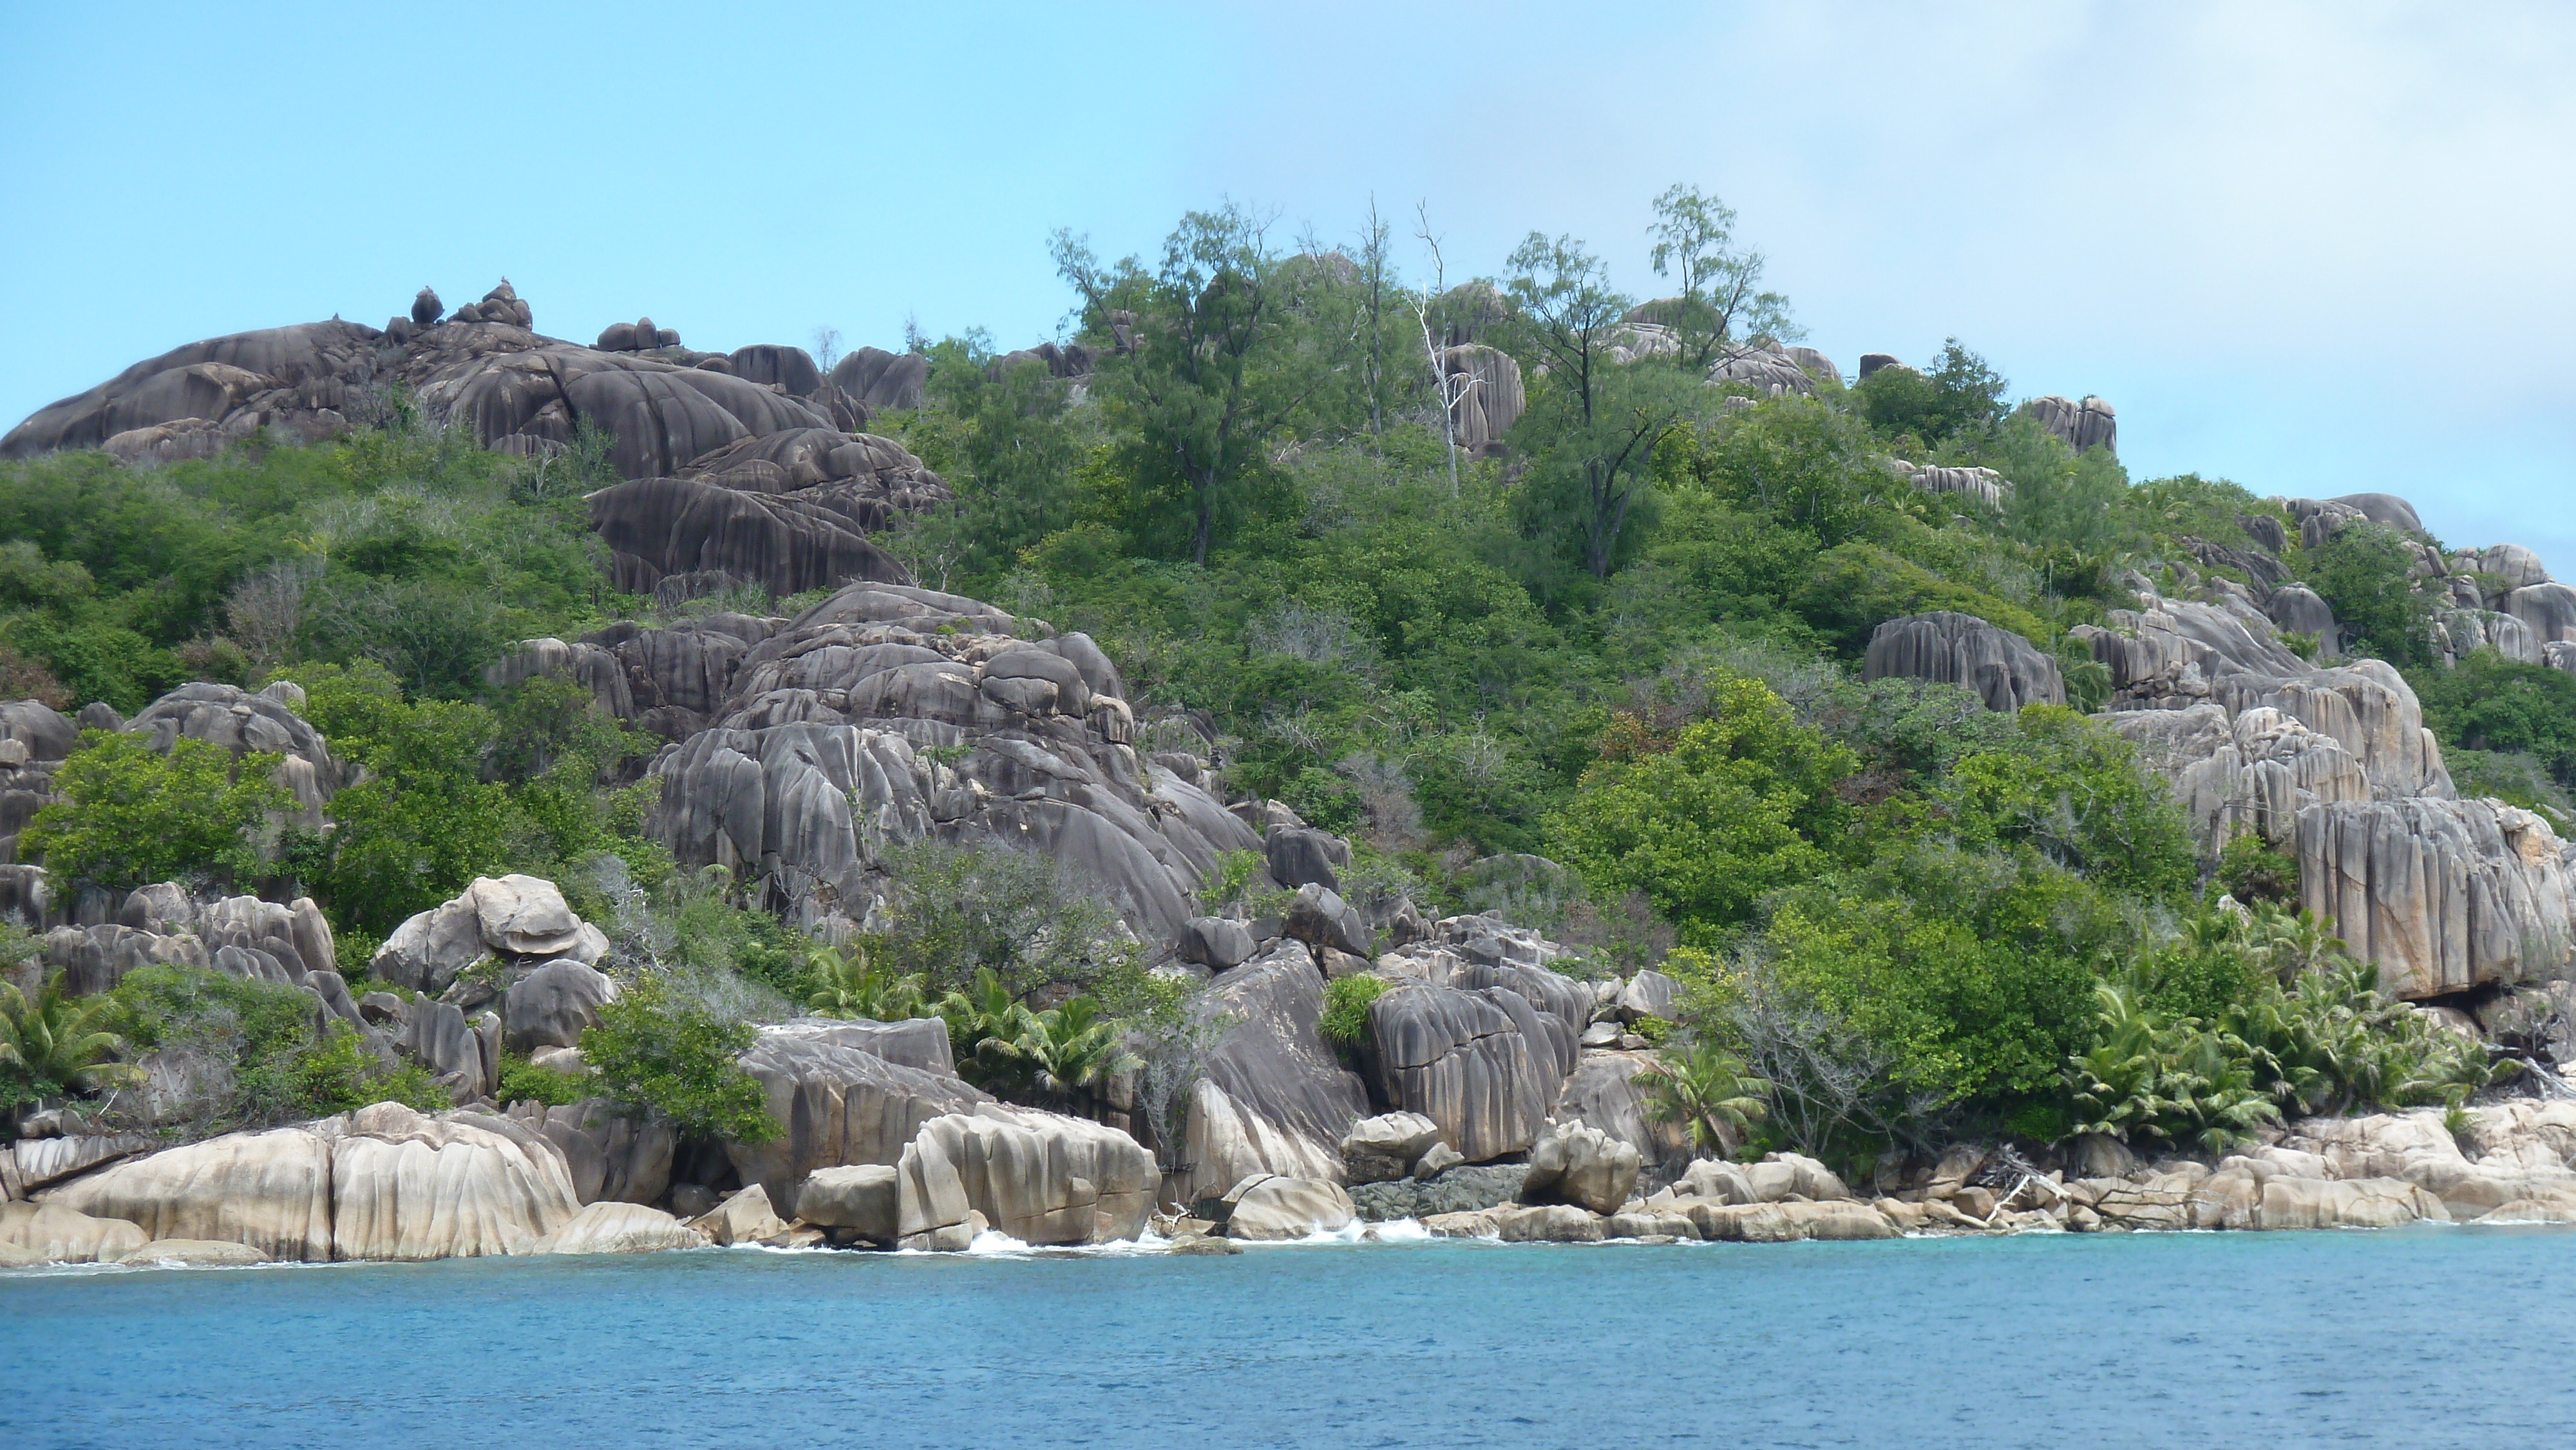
[1623, 637]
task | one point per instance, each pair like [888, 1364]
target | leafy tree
[652, 1047]
[1706, 1088]
[1213, 364]
[1959, 396]
[249, 1054]
[2366, 575]
[961, 911]
[127, 814]
[2070, 790]
[2489, 702]
[1721, 298]
[1593, 422]
[1003, 436]
[1805, 466]
[1729, 808]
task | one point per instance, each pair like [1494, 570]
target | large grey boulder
[1302, 855]
[1319, 917]
[1463, 1061]
[550, 1006]
[1214, 942]
[839, 1105]
[618, 1228]
[521, 919]
[2086, 424]
[2006, 670]
[1387, 1146]
[1270, 1208]
[613, 1152]
[1041, 1178]
[863, 1200]
[1275, 1099]
[242, 722]
[1579, 1164]
[2549, 610]
[1602, 1093]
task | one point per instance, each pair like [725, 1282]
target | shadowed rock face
[662, 526]
[840, 1105]
[1283, 1102]
[2006, 670]
[2086, 424]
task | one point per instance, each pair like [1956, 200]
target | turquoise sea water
[2416, 1337]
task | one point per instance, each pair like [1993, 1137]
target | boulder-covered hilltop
[1258, 758]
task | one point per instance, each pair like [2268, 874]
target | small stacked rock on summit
[520, 919]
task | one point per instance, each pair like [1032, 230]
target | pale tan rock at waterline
[383, 1182]
[1273, 1209]
[1041, 1178]
[619, 1228]
[45, 1233]
[744, 1218]
[191, 1254]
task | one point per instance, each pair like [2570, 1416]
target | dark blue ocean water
[2418, 1337]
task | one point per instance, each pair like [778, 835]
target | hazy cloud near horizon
[2314, 248]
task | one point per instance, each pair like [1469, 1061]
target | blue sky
[2313, 248]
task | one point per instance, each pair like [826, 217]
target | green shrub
[127, 814]
[1346, 1007]
[524, 1081]
[649, 1047]
[2366, 574]
[2250, 870]
[270, 1065]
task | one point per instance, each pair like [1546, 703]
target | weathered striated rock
[658, 527]
[614, 1152]
[380, 1183]
[1554, 1223]
[1271, 1208]
[2250, 772]
[1773, 1223]
[516, 918]
[1486, 382]
[1300, 855]
[839, 1105]
[2548, 610]
[2441, 894]
[1578, 1164]
[1276, 1099]
[191, 1254]
[1320, 918]
[1984, 485]
[2004, 669]
[2297, 609]
[2083, 425]
[1214, 942]
[1462, 1060]
[241, 722]
[619, 1228]
[38, 1163]
[882, 380]
[1039, 1177]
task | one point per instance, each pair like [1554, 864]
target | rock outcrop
[1038, 1177]
[1269, 1208]
[380, 1183]
[2086, 424]
[840, 1104]
[2006, 670]
[618, 1228]
[1275, 1098]
[520, 921]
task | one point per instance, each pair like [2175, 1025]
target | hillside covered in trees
[1945, 779]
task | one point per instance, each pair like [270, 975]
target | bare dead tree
[266, 610]
[827, 346]
[1450, 394]
[1830, 1082]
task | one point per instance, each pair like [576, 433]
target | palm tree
[853, 987]
[1072, 1048]
[52, 1045]
[1705, 1086]
[990, 1029]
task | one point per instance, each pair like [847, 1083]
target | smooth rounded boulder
[1274, 1209]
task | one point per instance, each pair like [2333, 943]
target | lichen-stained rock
[32, 1164]
[1276, 1100]
[1459, 1059]
[2005, 670]
[837, 1105]
[2297, 609]
[1041, 1178]
[49, 1233]
[785, 367]
[661, 526]
[811, 767]
[2441, 895]
[915, 1042]
[619, 1228]
[381, 1183]
[284, 374]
